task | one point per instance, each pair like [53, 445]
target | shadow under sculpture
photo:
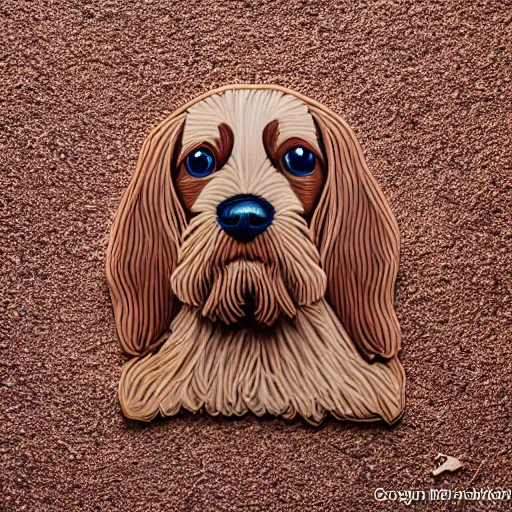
[252, 265]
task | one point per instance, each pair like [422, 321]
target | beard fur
[247, 288]
[273, 275]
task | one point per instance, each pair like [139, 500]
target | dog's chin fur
[248, 292]
[232, 282]
[306, 365]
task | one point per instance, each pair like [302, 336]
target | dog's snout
[245, 216]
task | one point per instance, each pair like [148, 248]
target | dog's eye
[299, 161]
[200, 162]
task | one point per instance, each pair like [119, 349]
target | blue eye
[200, 162]
[299, 161]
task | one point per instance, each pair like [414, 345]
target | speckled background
[424, 85]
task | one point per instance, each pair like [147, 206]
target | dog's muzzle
[245, 216]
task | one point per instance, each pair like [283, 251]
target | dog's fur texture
[299, 320]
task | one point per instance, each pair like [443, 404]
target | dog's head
[248, 203]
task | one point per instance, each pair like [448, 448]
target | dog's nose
[245, 216]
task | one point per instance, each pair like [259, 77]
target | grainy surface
[424, 86]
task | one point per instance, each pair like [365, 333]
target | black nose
[245, 216]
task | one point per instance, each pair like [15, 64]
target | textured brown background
[424, 86]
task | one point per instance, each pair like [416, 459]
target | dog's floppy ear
[359, 242]
[142, 250]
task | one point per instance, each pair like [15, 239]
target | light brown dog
[291, 312]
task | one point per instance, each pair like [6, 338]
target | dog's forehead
[247, 112]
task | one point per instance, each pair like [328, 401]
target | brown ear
[359, 242]
[142, 250]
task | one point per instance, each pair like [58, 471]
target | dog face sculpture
[256, 252]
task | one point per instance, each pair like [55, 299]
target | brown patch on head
[189, 187]
[307, 188]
